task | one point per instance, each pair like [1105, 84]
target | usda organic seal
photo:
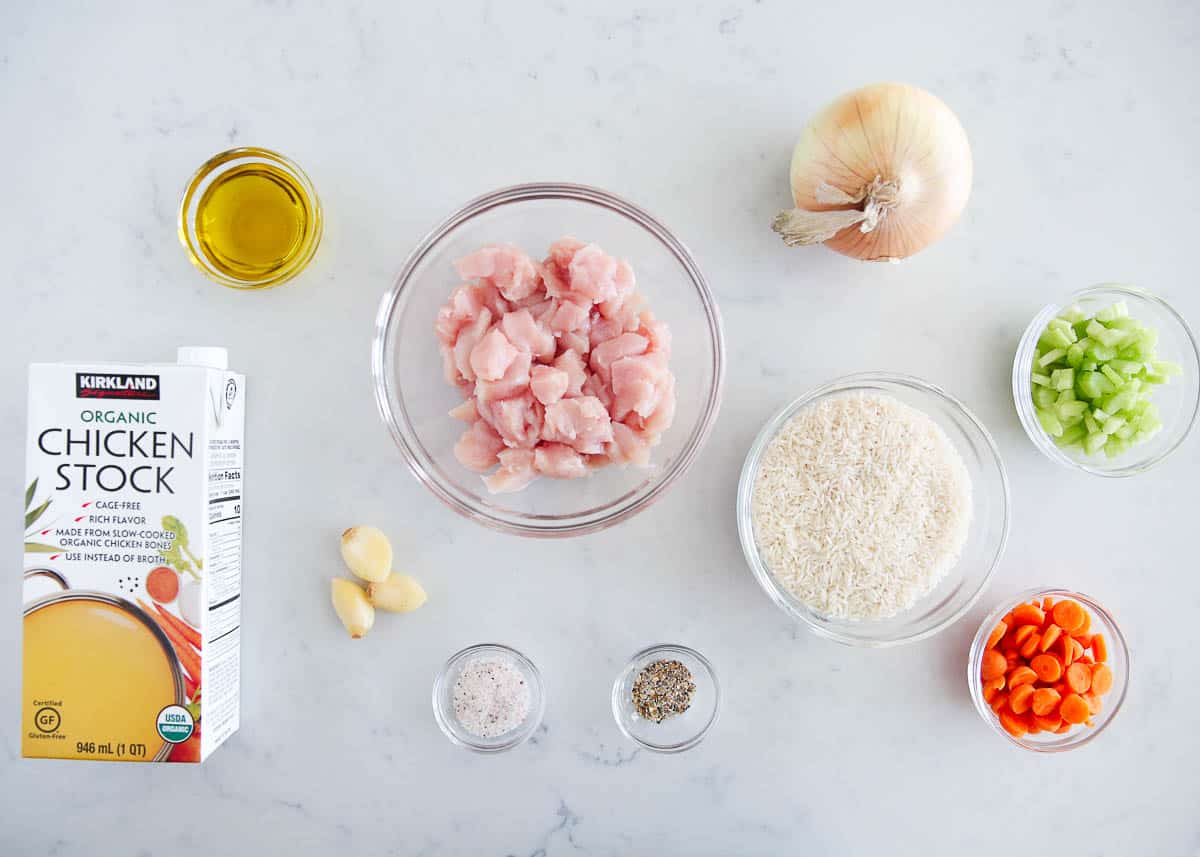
[175, 724]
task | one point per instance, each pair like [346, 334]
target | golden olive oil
[253, 221]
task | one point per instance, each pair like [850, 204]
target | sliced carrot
[1074, 708]
[995, 683]
[1050, 636]
[999, 701]
[1012, 661]
[1029, 614]
[1031, 646]
[1102, 678]
[1047, 604]
[989, 694]
[1021, 698]
[1093, 702]
[1099, 648]
[994, 665]
[997, 635]
[1076, 650]
[1013, 724]
[1045, 701]
[1085, 626]
[1061, 687]
[1068, 651]
[1050, 723]
[1068, 615]
[1048, 667]
[1063, 728]
[1023, 633]
[1023, 675]
[1079, 677]
[1084, 640]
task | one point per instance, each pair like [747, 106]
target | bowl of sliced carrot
[1049, 670]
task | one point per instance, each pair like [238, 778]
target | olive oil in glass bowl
[250, 219]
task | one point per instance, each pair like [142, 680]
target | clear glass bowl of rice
[986, 534]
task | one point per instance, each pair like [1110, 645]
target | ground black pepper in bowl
[663, 689]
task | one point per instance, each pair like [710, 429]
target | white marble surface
[1085, 126]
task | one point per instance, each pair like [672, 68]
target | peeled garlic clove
[367, 553]
[352, 607]
[400, 593]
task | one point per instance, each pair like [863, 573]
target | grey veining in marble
[1085, 125]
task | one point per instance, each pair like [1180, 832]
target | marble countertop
[1085, 125]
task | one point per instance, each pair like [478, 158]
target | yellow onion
[879, 174]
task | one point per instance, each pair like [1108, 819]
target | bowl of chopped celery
[1108, 381]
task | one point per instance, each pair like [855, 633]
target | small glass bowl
[675, 734]
[213, 169]
[414, 398]
[1178, 400]
[981, 553]
[443, 700]
[1118, 659]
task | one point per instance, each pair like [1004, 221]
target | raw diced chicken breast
[492, 355]
[514, 382]
[593, 274]
[582, 423]
[548, 384]
[468, 338]
[625, 345]
[637, 384]
[574, 341]
[503, 266]
[467, 412]
[628, 447]
[570, 362]
[569, 316]
[518, 420]
[516, 471]
[526, 334]
[558, 461]
[562, 368]
[478, 447]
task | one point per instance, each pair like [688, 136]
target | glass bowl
[414, 398]
[675, 734]
[1118, 659]
[981, 553]
[250, 157]
[443, 699]
[1178, 400]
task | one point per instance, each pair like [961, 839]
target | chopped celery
[1071, 436]
[1050, 356]
[1112, 375]
[1062, 379]
[1044, 397]
[1069, 410]
[1093, 443]
[1092, 379]
[1050, 422]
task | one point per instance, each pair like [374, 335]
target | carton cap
[202, 355]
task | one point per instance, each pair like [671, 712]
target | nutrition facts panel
[224, 564]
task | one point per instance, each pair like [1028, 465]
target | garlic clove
[367, 553]
[352, 607]
[400, 593]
